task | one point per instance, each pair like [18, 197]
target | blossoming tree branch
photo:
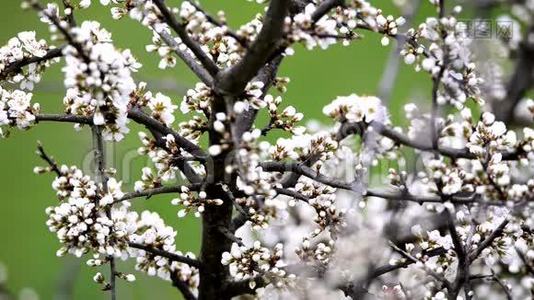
[297, 218]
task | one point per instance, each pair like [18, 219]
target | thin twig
[229, 235]
[172, 256]
[17, 66]
[489, 240]
[156, 191]
[243, 42]
[430, 272]
[496, 279]
[357, 289]
[520, 81]
[170, 19]
[141, 118]
[292, 193]
[64, 31]
[70, 16]
[190, 61]
[529, 268]
[155, 127]
[306, 171]
[50, 160]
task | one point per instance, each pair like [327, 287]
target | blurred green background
[28, 249]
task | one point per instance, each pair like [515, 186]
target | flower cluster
[24, 47]
[342, 24]
[225, 49]
[447, 57]
[286, 120]
[247, 263]
[152, 232]
[321, 33]
[161, 107]
[167, 59]
[490, 136]
[328, 216]
[252, 180]
[300, 147]
[71, 182]
[16, 110]
[192, 202]
[356, 109]
[86, 222]
[98, 80]
[193, 129]
[83, 224]
[148, 181]
[197, 99]
[163, 161]
[253, 98]
[435, 253]
[319, 252]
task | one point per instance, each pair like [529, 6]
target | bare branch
[238, 221]
[50, 160]
[528, 267]
[233, 289]
[64, 118]
[496, 279]
[292, 193]
[406, 196]
[156, 191]
[324, 8]
[229, 235]
[113, 277]
[172, 256]
[301, 169]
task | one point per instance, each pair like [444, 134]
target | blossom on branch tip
[356, 109]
